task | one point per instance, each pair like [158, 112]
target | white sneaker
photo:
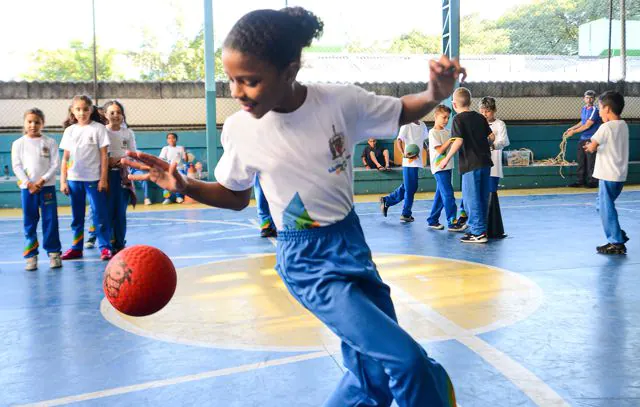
[147, 201]
[55, 262]
[179, 200]
[32, 263]
[166, 202]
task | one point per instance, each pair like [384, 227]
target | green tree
[72, 64]
[416, 42]
[479, 37]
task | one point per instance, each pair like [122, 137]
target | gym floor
[536, 319]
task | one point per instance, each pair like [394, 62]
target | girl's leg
[30, 217]
[50, 230]
[98, 202]
[78, 204]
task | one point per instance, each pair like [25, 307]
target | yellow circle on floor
[243, 304]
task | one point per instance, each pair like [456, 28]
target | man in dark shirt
[375, 156]
[473, 138]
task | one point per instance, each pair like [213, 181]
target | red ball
[140, 280]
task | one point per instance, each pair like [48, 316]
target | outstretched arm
[167, 177]
[443, 75]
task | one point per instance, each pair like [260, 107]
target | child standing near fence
[121, 190]
[84, 172]
[170, 153]
[306, 171]
[34, 158]
[611, 141]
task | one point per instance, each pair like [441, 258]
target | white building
[594, 37]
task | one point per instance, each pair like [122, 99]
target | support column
[213, 140]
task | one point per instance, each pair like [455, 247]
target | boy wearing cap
[587, 126]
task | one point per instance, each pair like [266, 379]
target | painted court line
[178, 380]
[97, 260]
[530, 384]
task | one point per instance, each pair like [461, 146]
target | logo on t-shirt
[337, 146]
[45, 152]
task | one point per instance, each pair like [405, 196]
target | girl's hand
[443, 76]
[64, 188]
[165, 175]
[443, 163]
[103, 185]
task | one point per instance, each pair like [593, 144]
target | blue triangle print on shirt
[296, 217]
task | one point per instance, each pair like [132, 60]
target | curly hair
[488, 103]
[277, 37]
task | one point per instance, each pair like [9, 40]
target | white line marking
[97, 260]
[536, 389]
[178, 380]
[230, 238]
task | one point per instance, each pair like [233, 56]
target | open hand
[443, 76]
[165, 175]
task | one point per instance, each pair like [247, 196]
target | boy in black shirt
[473, 138]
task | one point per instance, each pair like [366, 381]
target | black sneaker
[612, 248]
[384, 208]
[90, 243]
[406, 219]
[436, 226]
[576, 185]
[457, 227]
[268, 232]
[462, 220]
[625, 237]
[471, 238]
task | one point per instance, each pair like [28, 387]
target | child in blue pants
[611, 141]
[412, 133]
[307, 174]
[473, 138]
[34, 158]
[267, 228]
[84, 173]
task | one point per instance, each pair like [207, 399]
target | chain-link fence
[153, 61]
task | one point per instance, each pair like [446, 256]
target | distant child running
[34, 158]
[611, 168]
[306, 171]
[412, 133]
[84, 172]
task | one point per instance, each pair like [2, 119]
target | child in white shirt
[84, 172]
[412, 133]
[34, 158]
[611, 141]
[173, 153]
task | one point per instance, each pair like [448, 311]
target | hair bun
[311, 26]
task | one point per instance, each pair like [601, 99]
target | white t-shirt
[171, 154]
[121, 141]
[612, 160]
[33, 158]
[501, 141]
[84, 144]
[436, 139]
[304, 158]
[413, 134]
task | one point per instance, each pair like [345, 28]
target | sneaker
[406, 219]
[32, 263]
[471, 238]
[384, 208]
[147, 201]
[457, 227]
[166, 201]
[436, 226]
[462, 220]
[106, 254]
[268, 232]
[576, 185]
[612, 248]
[179, 200]
[55, 262]
[116, 250]
[72, 254]
[90, 243]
